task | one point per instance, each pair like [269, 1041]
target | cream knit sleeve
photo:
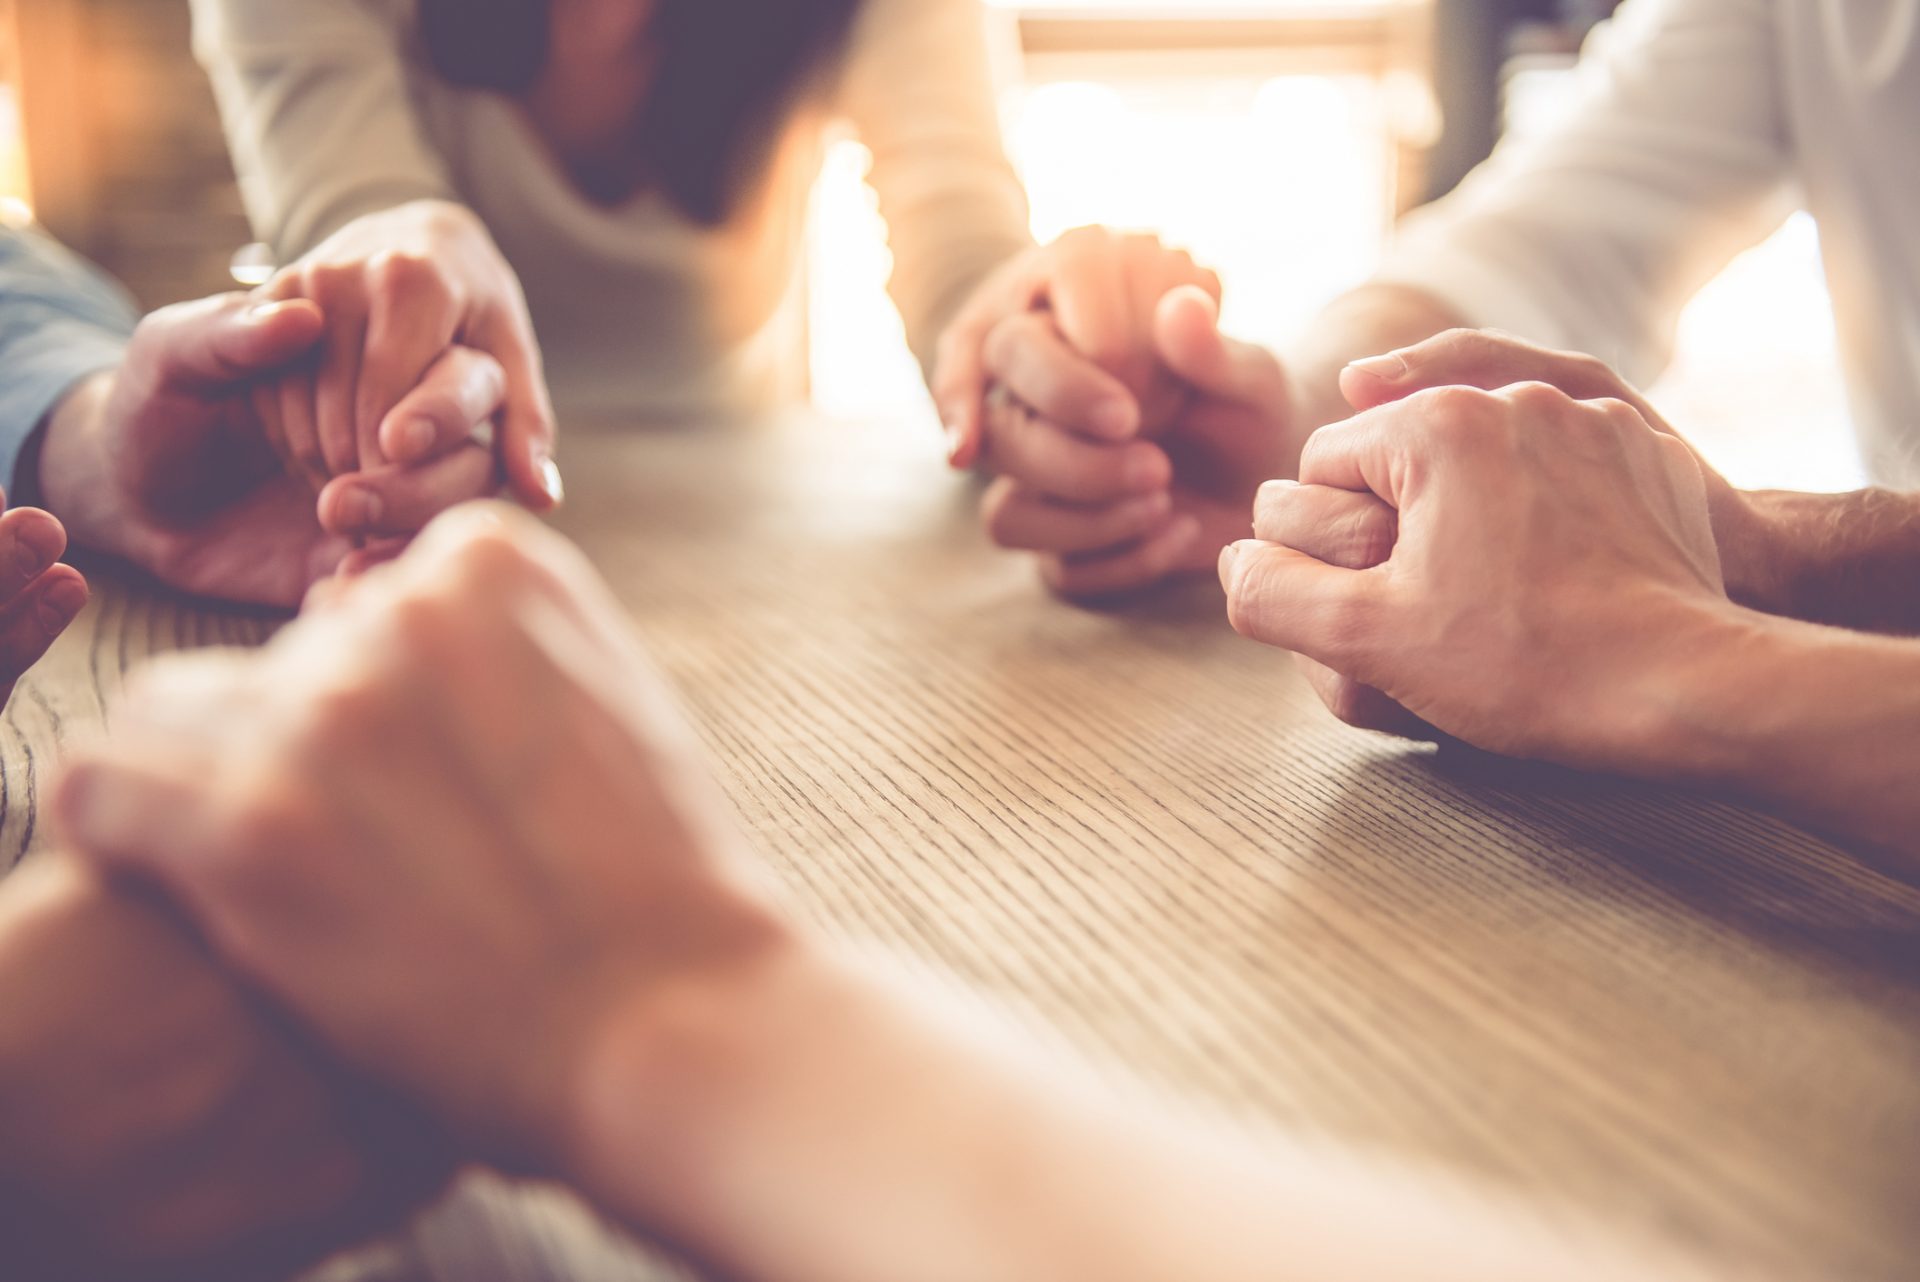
[315, 97]
[920, 91]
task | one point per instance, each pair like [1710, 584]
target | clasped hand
[1505, 545]
[1126, 432]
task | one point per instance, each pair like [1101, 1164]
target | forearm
[69, 473]
[316, 100]
[1851, 560]
[1821, 722]
[809, 1123]
[230, 1159]
[919, 88]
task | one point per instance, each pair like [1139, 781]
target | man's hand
[400, 290]
[154, 1123]
[1489, 360]
[1552, 568]
[1124, 469]
[39, 597]
[449, 817]
[165, 462]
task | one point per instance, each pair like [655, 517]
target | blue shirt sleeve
[60, 320]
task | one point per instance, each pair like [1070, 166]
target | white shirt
[1694, 123]
[640, 312]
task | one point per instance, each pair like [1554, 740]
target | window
[1281, 162]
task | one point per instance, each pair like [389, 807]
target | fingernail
[1388, 368]
[61, 603]
[1275, 488]
[1114, 418]
[267, 311]
[29, 560]
[1146, 469]
[361, 509]
[950, 428]
[417, 438]
[550, 481]
[1228, 555]
[1158, 503]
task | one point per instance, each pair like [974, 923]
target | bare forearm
[1820, 722]
[230, 1160]
[1850, 560]
[819, 1125]
[72, 475]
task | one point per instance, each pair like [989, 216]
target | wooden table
[1139, 830]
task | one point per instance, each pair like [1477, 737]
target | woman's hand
[1067, 330]
[449, 817]
[1129, 434]
[166, 461]
[401, 290]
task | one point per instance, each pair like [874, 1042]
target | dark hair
[728, 74]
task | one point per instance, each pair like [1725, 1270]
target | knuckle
[270, 819]
[1463, 342]
[1681, 456]
[330, 284]
[403, 272]
[1454, 418]
[1371, 538]
[422, 626]
[1450, 401]
[340, 715]
[494, 558]
[1537, 398]
[1618, 413]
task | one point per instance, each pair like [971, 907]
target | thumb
[1490, 361]
[1289, 600]
[1188, 339]
[215, 343]
[525, 441]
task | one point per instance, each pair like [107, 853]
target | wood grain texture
[1670, 1013]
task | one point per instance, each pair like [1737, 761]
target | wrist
[69, 474]
[673, 1059]
[1754, 534]
[1702, 722]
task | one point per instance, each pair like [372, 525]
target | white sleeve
[315, 98]
[919, 89]
[1593, 234]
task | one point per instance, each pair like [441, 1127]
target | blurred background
[1277, 139]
